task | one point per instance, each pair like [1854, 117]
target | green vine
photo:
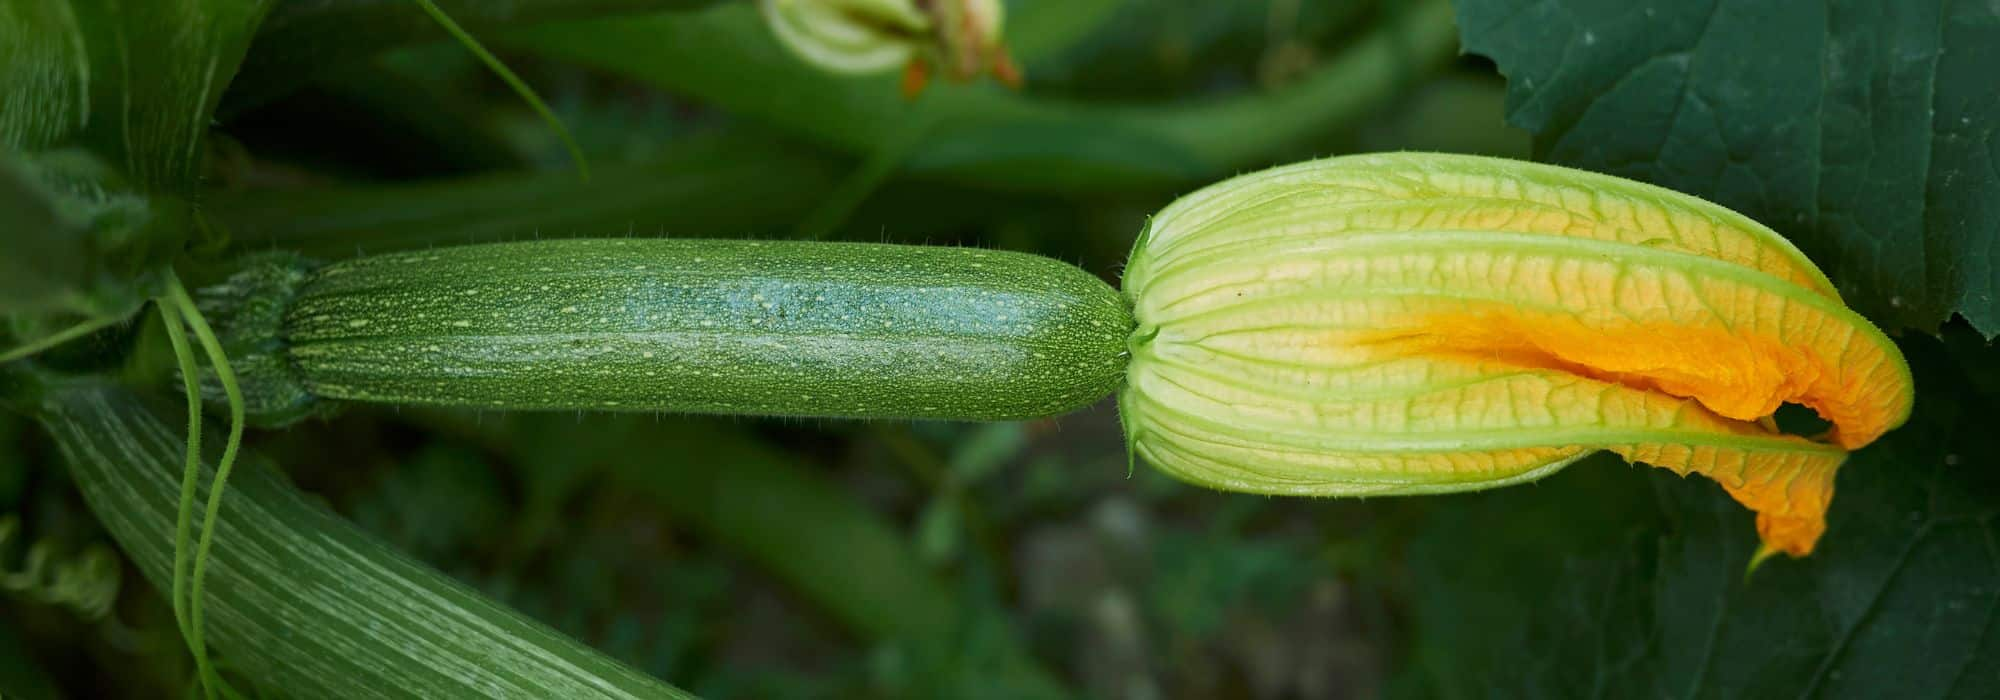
[514, 82]
[50, 341]
[180, 315]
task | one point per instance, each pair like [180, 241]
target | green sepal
[248, 311]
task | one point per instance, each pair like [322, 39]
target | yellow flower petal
[1417, 323]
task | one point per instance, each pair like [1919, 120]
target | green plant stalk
[514, 82]
[81, 329]
[738, 180]
[1002, 139]
[219, 362]
[170, 317]
[305, 602]
[708, 326]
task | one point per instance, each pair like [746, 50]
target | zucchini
[702, 326]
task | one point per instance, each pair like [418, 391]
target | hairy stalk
[177, 335]
[170, 317]
[177, 296]
[506, 75]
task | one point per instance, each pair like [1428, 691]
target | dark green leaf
[1649, 598]
[1868, 132]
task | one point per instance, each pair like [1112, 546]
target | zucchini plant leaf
[1901, 599]
[135, 79]
[1867, 132]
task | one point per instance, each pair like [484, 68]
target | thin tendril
[39, 345]
[513, 81]
[170, 316]
[220, 361]
[170, 313]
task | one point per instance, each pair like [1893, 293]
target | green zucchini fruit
[703, 326]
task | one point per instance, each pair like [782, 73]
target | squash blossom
[1420, 323]
[960, 38]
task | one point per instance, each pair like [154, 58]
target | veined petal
[1438, 191]
[1397, 324]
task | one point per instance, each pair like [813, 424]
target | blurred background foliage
[784, 558]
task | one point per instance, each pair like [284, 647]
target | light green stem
[170, 317]
[506, 75]
[178, 296]
[42, 344]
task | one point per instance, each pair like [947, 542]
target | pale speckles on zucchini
[744, 327]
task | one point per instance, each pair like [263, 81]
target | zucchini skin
[712, 326]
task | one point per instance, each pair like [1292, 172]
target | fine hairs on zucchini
[704, 326]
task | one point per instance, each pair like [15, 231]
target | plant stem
[219, 360]
[739, 181]
[170, 317]
[1008, 140]
[44, 343]
[514, 82]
